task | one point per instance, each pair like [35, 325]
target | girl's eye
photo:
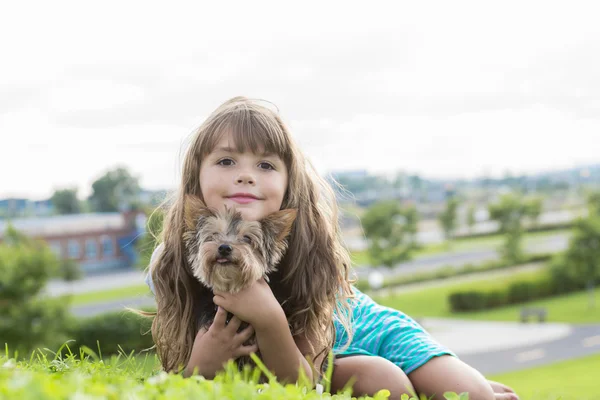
[266, 165]
[247, 239]
[226, 162]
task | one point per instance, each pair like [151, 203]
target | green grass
[575, 379]
[569, 308]
[108, 295]
[495, 241]
[433, 302]
[488, 242]
[86, 376]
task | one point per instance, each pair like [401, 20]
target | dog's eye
[247, 239]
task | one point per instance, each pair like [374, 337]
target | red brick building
[97, 241]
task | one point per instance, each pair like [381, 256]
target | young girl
[243, 156]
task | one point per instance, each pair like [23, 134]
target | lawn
[568, 379]
[46, 376]
[108, 295]
[488, 242]
[432, 302]
[575, 379]
[50, 377]
[570, 308]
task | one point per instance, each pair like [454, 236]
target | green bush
[520, 292]
[471, 300]
[496, 298]
[112, 332]
[28, 318]
[557, 279]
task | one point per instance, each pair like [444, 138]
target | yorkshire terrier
[228, 254]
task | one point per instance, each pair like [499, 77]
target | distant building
[20, 207]
[352, 174]
[152, 197]
[97, 241]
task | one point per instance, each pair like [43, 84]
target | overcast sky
[443, 89]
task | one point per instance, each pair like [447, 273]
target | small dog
[227, 254]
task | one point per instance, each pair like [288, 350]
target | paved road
[582, 341]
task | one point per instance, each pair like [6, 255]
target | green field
[432, 302]
[108, 295]
[137, 377]
[488, 242]
[570, 380]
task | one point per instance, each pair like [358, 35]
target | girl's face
[254, 184]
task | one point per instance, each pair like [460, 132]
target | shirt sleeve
[148, 279]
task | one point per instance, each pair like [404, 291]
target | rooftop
[65, 224]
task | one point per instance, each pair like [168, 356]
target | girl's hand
[502, 392]
[255, 304]
[219, 344]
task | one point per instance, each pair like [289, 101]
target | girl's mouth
[243, 199]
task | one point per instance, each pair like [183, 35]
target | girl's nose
[245, 178]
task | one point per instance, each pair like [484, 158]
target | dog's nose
[225, 249]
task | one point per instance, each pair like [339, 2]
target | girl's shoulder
[155, 254]
[153, 258]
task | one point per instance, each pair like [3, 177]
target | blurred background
[464, 137]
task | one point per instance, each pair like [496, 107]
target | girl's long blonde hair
[312, 280]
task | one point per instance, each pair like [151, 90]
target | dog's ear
[194, 209]
[279, 224]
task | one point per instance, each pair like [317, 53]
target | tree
[27, 318]
[70, 271]
[391, 232]
[583, 254]
[147, 243]
[509, 212]
[471, 220]
[534, 210]
[447, 217]
[593, 200]
[65, 201]
[114, 191]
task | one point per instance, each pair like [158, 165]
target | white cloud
[469, 144]
[444, 89]
[92, 95]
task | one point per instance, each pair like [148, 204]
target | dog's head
[227, 253]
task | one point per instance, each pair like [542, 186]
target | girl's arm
[258, 306]
[280, 352]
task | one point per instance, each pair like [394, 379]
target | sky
[442, 89]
